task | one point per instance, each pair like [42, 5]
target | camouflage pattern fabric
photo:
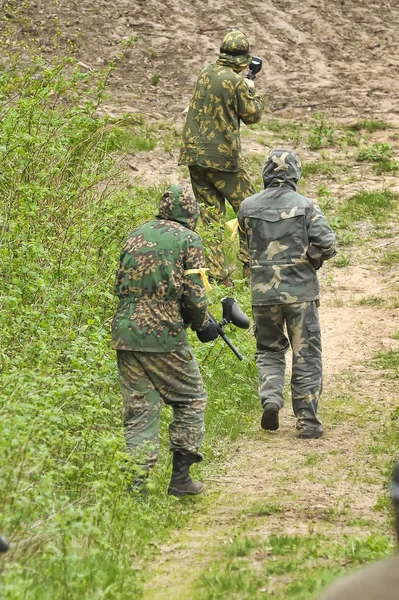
[212, 188]
[280, 226]
[303, 330]
[147, 379]
[153, 289]
[211, 134]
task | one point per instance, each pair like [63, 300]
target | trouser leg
[141, 409]
[303, 329]
[213, 210]
[271, 346]
[178, 380]
[235, 187]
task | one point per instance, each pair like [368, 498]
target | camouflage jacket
[211, 134]
[280, 225]
[153, 289]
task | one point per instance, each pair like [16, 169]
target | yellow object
[233, 226]
[204, 278]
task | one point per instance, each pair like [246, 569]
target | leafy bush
[375, 153]
[65, 211]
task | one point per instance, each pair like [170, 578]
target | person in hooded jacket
[288, 239]
[211, 145]
[160, 285]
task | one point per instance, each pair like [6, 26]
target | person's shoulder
[250, 201]
[379, 580]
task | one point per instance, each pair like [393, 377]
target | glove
[250, 83]
[209, 333]
[315, 257]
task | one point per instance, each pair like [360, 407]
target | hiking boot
[246, 271]
[311, 433]
[270, 420]
[181, 483]
[139, 486]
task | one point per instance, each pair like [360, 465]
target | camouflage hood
[282, 166]
[234, 51]
[178, 204]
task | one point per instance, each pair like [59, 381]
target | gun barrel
[230, 344]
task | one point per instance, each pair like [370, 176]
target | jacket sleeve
[320, 233]
[194, 300]
[249, 103]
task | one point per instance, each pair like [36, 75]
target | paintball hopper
[3, 545]
[254, 67]
[232, 313]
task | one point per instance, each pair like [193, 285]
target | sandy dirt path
[266, 469]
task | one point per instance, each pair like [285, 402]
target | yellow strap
[233, 226]
[204, 278]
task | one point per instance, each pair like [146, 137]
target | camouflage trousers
[303, 329]
[212, 188]
[148, 378]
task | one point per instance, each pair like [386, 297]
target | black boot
[181, 483]
[270, 420]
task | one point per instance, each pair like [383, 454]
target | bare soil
[336, 56]
[339, 57]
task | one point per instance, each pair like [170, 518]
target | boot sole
[270, 420]
[180, 494]
[311, 436]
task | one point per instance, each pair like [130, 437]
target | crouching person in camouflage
[288, 238]
[161, 293]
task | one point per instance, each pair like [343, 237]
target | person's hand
[208, 334]
[250, 82]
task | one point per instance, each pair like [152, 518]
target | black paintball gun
[254, 67]
[232, 313]
[3, 545]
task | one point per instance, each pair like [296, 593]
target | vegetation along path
[283, 516]
[280, 516]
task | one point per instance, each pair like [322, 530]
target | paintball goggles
[232, 313]
[254, 67]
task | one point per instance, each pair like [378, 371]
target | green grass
[132, 142]
[74, 530]
[390, 258]
[318, 168]
[370, 125]
[379, 152]
[389, 360]
[311, 561]
[321, 133]
[374, 205]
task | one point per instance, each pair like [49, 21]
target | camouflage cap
[178, 204]
[282, 166]
[395, 484]
[235, 43]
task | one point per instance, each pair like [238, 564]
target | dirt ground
[339, 57]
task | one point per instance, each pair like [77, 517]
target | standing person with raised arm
[211, 145]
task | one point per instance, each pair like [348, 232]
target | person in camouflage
[211, 144]
[161, 293]
[288, 238]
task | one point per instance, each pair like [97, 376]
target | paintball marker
[232, 313]
[3, 545]
[254, 67]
